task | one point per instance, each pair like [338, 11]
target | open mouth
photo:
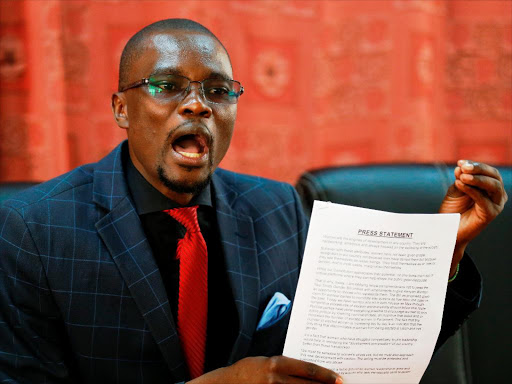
[191, 146]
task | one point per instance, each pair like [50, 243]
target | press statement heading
[400, 235]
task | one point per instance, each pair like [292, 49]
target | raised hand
[478, 194]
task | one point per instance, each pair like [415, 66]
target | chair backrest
[480, 351]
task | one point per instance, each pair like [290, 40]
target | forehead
[191, 54]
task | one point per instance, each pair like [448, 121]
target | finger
[457, 172]
[473, 167]
[453, 192]
[492, 186]
[304, 370]
[476, 195]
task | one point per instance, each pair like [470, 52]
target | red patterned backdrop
[328, 82]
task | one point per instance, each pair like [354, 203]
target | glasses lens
[167, 87]
[221, 90]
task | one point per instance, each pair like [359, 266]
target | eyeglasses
[170, 87]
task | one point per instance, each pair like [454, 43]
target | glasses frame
[145, 81]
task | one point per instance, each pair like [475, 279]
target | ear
[120, 109]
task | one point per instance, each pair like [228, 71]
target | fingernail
[461, 162]
[338, 380]
[468, 166]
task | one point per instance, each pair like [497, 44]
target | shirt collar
[148, 199]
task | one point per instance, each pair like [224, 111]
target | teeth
[191, 155]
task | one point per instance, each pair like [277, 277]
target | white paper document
[371, 292]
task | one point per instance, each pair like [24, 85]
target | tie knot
[186, 216]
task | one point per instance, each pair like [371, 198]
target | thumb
[454, 192]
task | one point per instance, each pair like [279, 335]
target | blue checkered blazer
[81, 296]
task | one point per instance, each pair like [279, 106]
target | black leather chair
[481, 351]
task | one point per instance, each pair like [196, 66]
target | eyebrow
[174, 71]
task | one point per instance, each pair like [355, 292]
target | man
[154, 266]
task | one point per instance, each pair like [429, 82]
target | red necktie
[193, 289]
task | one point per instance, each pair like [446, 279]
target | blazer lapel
[123, 235]
[238, 242]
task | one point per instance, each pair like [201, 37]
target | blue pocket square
[277, 307]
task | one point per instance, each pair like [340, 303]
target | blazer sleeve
[32, 349]
[462, 298]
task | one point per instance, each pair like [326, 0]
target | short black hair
[132, 47]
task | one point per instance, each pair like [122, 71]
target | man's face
[177, 145]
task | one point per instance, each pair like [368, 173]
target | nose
[194, 103]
